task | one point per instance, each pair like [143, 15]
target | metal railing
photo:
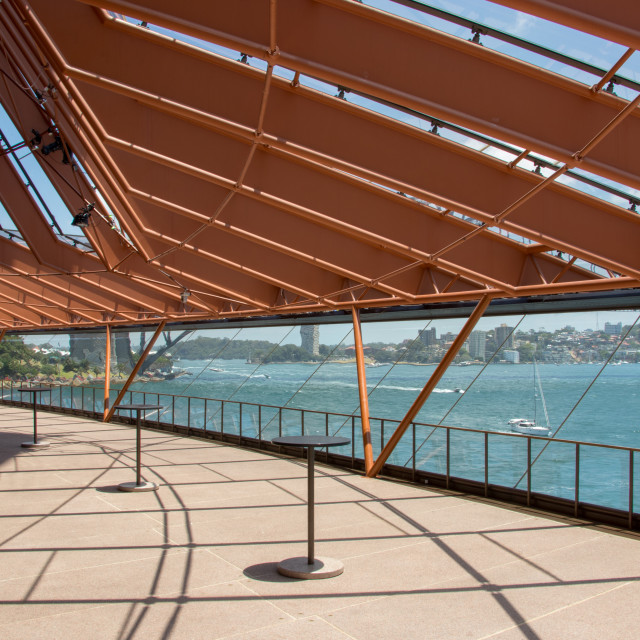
[489, 463]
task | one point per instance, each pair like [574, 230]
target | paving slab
[197, 559]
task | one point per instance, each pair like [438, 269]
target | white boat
[215, 369]
[526, 425]
[529, 427]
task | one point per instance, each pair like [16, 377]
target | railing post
[241, 420]
[173, 412]
[486, 464]
[630, 489]
[326, 433]
[577, 481]
[260, 425]
[302, 422]
[413, 476]
[204, 424]
[448, 456]
[280, 422]
[353, 441]
[528, 471]
[381, 435]
[222, 417]
[189, 415]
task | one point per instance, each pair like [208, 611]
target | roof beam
[537, 105]
[617, 21]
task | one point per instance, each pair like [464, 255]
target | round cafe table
[35, 443]
[139, 484]
[310, 567]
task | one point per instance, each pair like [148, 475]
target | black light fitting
[82, 219]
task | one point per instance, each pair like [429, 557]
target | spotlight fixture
[184, 296]
[82, 219]
[53, 146]
[477, 32]
[36, 140]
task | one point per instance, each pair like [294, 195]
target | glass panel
[596, 463]
[431, 450]
[553, 471]
[467, 455]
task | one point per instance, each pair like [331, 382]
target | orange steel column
[430, 386]
[107, 374]
[133, 374]
[2, 332]
[362, 390]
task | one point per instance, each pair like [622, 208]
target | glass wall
[572, 376]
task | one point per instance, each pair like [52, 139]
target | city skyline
[398, 331]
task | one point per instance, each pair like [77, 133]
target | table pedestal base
[300, 568]
[133, 486]
[41, 444]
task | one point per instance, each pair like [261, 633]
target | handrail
[349, 416]
[239, 434]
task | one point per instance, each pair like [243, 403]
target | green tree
[17, 359]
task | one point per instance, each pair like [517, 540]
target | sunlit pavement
[197, 558]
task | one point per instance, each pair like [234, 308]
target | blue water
[609, 414]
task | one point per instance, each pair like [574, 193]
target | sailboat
[526, 425]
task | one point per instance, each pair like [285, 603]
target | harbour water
[606, 411]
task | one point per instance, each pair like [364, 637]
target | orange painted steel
[430, 386]
[455, 185]
[617, 21]
[362, 391]
[609, 75]
[107, 372]
[529, 96]
[134, 372]
[265, 196]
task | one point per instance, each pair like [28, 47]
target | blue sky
[396, 332]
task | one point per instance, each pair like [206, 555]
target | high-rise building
[428, 337]
[613, 329]
[503, 332]
[477, 341]
[310, 335]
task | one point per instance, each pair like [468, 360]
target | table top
[34, 389]
[312, 441]
[138, 407]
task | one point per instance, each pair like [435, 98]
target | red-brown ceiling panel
[359, 47]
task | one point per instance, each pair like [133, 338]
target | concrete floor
[196, 559]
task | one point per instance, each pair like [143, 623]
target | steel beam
[133, 373]
[536, 105]
[362, 391]
[107, 372]
[617, 21]
[430, 386]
